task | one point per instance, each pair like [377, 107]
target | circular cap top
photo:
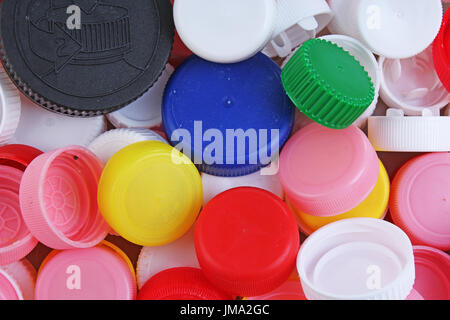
[150, 193]
[327, 84]
[432, 273]
[398, 29]
[225, 31]
[180, 284]
[441, 51]
[18, 156]
[374, 206]
[48, 131]
[246, 241]
[357, 258]
[420, 200]
[9, 289]
[325, 172]
[86, 274]
[132, 39]
[145, 112]
[242, 107]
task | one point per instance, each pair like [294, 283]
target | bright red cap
[441, 51]
[247, 241]
[180, 284]
[18, 156]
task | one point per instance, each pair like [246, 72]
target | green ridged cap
[327, 84]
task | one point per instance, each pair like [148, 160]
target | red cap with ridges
[441, 51]
[247, 241]
[180, 284]
[18, 156]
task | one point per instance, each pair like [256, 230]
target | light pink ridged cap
[58, 197]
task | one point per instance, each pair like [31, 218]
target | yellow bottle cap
[150, 193]
[374, 206]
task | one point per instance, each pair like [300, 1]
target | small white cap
[357, 259]
[225, 31]
[395, 132]
[213, 185]
[9, 108]
[47, 131]
[152, 260]
[109, 143]
[145, 112]
[24, 275]
[412, 84]
[394, 29]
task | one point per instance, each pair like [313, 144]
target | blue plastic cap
[230, 119]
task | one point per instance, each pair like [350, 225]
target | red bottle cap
[441, 51]
[180, 284]
[246, 241]
[18, 156]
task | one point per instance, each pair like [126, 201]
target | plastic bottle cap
[58, 198]
[9, 108]
[145, 112]
[412, 84]
[18, 156]
[246, 241]
[297, 21]
[48, 131]
[441, 51]
[150, 193]
[394, 29]
[16, 240]
[213, 185]
[420, 200]
[290, 290]
[24, 276]
[225, 31]
[180, 284]
[180, 253]
[326, 172]
[395, 132]
[109, 143]
[357, 259]
[432, 273]
[374, 206]
[9, 289]
[111, 58]
[97, 273]
[237, 101]
[327, 84]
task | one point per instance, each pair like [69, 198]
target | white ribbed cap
[145, 112]
[9, 108]
[357, 259]
[395, 132]
[109, 143]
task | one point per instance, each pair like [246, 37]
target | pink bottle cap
[9, 289]
[420, 200]
[18, 155]
[24, 276]
[16, 240]
[58, 197]
[97, 273]
[326, 172]
[432, 273]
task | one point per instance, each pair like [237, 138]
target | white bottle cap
[395, 132]
[145, 112]
[357, 259]
[394, 29]
[412, 84]
[225, 31]
[152, 260]
[213, 185]
[9, 108]
[47, 131]
[297, 21]
[110, 142]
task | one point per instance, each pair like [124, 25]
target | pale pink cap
[420, 200]
[24, 275]
[86, 274]
[16, 240]
[9, 288]
[58, 197]
[327, 172]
